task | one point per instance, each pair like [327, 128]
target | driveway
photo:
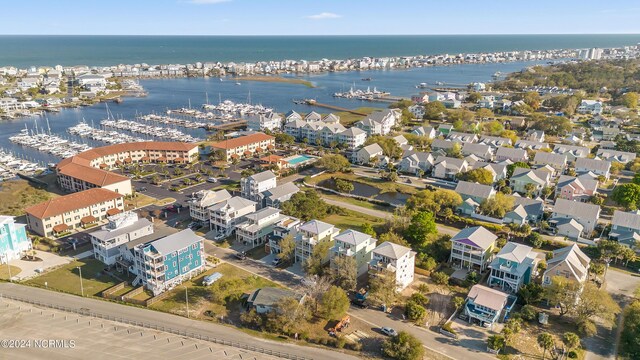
[28, 268]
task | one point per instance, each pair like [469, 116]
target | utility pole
[81, 287]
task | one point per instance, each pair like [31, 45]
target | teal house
[163, 264]
[513, 267]
[13, 239]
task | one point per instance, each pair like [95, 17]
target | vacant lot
[16, 195]
[67, 279]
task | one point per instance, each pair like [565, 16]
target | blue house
[13, 239]
[163, 264]
[513, 267]
[486, 306]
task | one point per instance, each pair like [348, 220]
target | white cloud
[324, 15]
[205, 2]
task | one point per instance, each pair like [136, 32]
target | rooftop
[67, 203]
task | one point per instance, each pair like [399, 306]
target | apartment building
[201, 202]
[244, 146]
[121, 229]
[14, 242]
[225, 215]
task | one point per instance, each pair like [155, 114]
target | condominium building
[354, 244]
[203, 200]
[225, 215]
[252, 186]
[244, 146]
[121, 229]
[13, 239]
[73, 211]
[397, 259]
[163, 264]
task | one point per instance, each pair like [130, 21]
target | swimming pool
[297, 159]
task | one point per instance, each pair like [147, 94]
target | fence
[86, 312]
[108, 294]
[128, 297]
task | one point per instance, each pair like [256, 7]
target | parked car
[194, 225]
[241, 255]
[360, 304]
[212, 180]
[219, 237]
[389, 331]
[141, 189]
[277, 261]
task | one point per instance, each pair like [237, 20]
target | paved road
[165, 320]
[383, 214]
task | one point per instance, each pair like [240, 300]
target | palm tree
[545, 340]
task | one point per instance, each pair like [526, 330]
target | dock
[226, 126]
[332, 107]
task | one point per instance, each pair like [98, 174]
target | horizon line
[332, 35]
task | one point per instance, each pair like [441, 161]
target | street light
[8, 266]
[186, 295]
[81, 287]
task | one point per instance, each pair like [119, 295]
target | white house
[225, 215]
[593, 107]
[252, 186]
[398, 259]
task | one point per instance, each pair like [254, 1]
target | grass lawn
[66, 278]
[353, 220]
[4, 271]
[123, 291]
[384, 186]
[257, 253]
[347, 118]
[141, 200]
[222, 298]
[16, 195]
[165, 201]
[361, 203]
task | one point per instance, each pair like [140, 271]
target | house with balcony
[225, 215]
[121, 229]
[257, 227]
[568, 262]
[270, 121]
[487, 306]
[252, 186]
[625, 227]
[472, 248]
[274, 197]
[353, 138]
[356, 245]
[161, 265]
[522, 177]
[447, 168]
[396, 259]
[309, 235]
[416, 163]
[367, 153]
[513, 267]
[13, 239]
[286, 226]
[473, 194]
[201, 202]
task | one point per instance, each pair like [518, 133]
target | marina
[229, 107]
[110, 137]
[155, 131]
[48, 143]
[167, 120]
[11, 165]
[362, 94]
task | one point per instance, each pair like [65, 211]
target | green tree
[434, 201]
[627, 195]
[458, 302]
[314, 265]
[480, 175]
[291, 315]
[496, 342]
[474, 97]
[367, 228]
[545, 341]
[532, 98]
[531, 293]
[282, 138]
[517, 164]
[393, 238]
[334, 163]
[630, 336]
[496, 206]
[434, 110]
[287, 248]
[594, 302]
[455, 151]
[415, 311]
[383, 288]
[440, 278]
[344, 186]
[404, 346]
[562, 292]
[511, 328]
[390, 146]
[305, 205]
[344, 272]
[571, 340]
[484, 113]
[334, 303]
[422, 224]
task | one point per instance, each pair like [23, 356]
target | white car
[389, 331]
[212, 180]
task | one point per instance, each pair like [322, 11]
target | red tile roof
[63, 204]
[242, 141]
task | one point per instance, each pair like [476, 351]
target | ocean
[26, 50]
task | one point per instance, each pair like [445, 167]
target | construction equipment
[342, 324]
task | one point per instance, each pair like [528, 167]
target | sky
[318, 17]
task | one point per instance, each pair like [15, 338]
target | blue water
[176, 93]
[27, 50]
[298, 159]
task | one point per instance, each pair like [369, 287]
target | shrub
[587, 328]
[355, 346]
[440, 278]
[340, 343]
[528, 313]
[572, 354]
[447, 327]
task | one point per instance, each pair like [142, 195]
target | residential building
[163, 264]
[252, 186]
[498, 171]
[287, 225]
[266, 299]
[73, 211]
[364, 155]
[352, 137]
[482, 151]
[576, 188]
[356, 245]
[513, 267]
[274, 197]
[593, 107]
[379, 122]
[531, 145]
[245, 146]
[495, 141]
[14, 242]
[447, 167]
[568, 262]
[573, 152]
[585, 214]
[557, 161]
[462, 137]
[525, 211]
[625, 228]
[595, 166]
[202, 200]
[260, 122]
[121, 229]
[258, 226]
[472, 248]
[614, 155]
[535, 135]
[444, 145]
[397, 259]
[511, 154]
[225, 215]
[416, 162]
[473, 194]
[309, 235]
[522, 177]
[487, 306]
[427, 131]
